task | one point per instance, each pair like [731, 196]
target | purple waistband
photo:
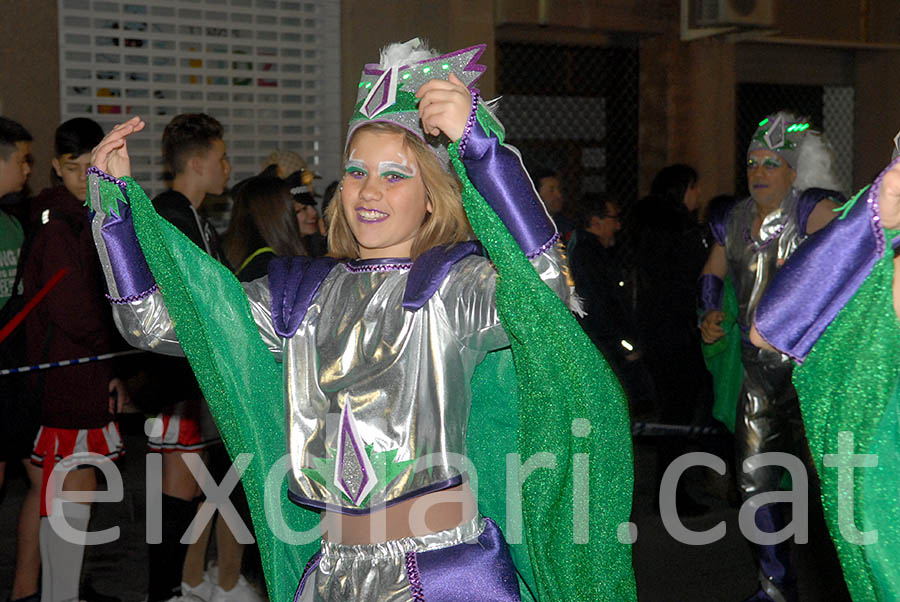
[431, 488]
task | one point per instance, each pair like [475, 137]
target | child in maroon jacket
[78, 403]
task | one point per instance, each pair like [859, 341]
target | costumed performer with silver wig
[405, 369]
[791, 197]
[834, 309]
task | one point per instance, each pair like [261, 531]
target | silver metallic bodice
[753, 260]
[377, 397]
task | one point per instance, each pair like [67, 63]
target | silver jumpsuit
[377, 399]
[391, 385]
[768, 417]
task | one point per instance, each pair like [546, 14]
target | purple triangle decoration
[383, 94]
[353, 471]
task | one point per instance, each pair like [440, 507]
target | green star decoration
[386, 466]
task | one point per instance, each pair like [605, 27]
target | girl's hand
[444, 106]
[111, 155]
[889, 198]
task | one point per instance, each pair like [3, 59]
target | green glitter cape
[560, 374]
[848, 383]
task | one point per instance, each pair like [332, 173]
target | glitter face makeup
[769, 178]
[383, 195]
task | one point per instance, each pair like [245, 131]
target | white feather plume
[815, 164]
[398, 54]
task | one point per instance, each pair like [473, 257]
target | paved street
[666, 570]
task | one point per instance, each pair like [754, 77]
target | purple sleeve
[709, 292]
[808, 201]
[497, 172]
[718, 221]
[124, 259]
[821, 277]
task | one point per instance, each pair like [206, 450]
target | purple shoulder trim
[718, 222]
[430, 269]
[319, 505]
[808, 200]
[821, 277]
[293, 283]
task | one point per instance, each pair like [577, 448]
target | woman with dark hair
[677, 183]
[262, 226]
[312, 228]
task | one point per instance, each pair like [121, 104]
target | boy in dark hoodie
[78, 403]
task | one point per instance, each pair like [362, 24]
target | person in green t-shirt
[15, 166]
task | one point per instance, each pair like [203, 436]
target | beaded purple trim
[871, 202]
[105, 176]
[133, 298]
[384, 267]
[544, 247]
[470, 123]
[412, 575]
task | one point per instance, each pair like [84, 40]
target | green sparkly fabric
[848, 384]
[562, 378]
[565, 388]
[242, 383]
[723, 360]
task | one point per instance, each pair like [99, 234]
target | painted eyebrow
[403, 167]
[386, 166]
[355, 163]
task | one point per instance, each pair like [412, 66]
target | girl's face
[307, 218]
[383, 195]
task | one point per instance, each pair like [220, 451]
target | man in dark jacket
[600, 284]
[194, 151]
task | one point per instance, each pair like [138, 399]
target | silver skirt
[376, 572]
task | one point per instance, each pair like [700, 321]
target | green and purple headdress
[780, 133]
[387, 89]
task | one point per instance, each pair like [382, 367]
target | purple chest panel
[295, 281]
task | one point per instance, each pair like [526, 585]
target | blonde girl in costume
[378, 350]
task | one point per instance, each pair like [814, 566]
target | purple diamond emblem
[383, 94]
[353, 471]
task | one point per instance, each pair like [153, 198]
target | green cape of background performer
[723, 360]
[562, 401]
